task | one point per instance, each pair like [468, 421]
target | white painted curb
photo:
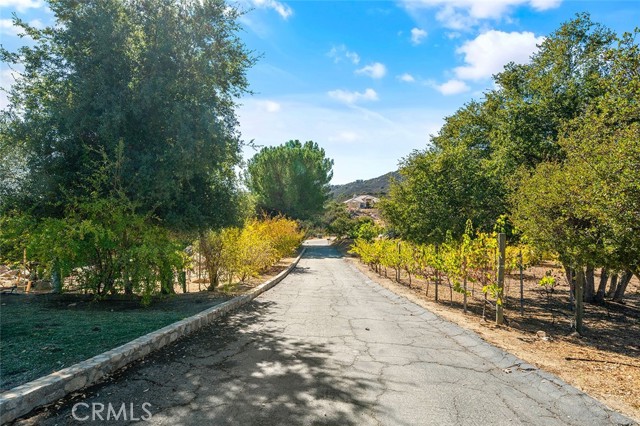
[45, 390]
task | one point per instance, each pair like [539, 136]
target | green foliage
[457, 287]
[342, 226]
[154, 81]
[493, 290]
[549, 156]
[446, 184]
[472, 258]
[15, 233]
[338, 220]
[101, 244]
[586, 207]
[534, 101]
[291, 179]
[548, 281]
[367, 230]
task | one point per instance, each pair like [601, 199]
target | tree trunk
[214, 279]
[128, 285]
[182, 279]
[56, 277]
[604, 276]
[622, 287]
[484, 307]
[589, 284]
[599, 297]
[580, 279]
[570, 274]
[613, 285]
[166, 282]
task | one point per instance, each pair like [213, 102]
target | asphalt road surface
[328, 346]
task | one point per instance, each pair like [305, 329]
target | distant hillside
[378, 186]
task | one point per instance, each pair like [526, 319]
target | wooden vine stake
[437, 273]
[521, 283]
[464, 281]
[502, 242]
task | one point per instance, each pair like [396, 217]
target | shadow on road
[322, 252]
[243, 369]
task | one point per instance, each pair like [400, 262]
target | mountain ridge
[378, 186]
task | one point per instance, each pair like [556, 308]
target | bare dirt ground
[605, 362]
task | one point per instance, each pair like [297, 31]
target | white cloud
[353, 57]
[452, 18]
[7, 28]
[36, 23]
[490, 51]
[269, 106]
[349, 97]
[283, 9]
[345, 136]
[407, 78]
[339, 53]
[417, 35]
[21, 5]
[545, 4]
[463, 14]
[374, 70]
[7, 78]
[451, 87]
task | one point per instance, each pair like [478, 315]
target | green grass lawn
[40, 334]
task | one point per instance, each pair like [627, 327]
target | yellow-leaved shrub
[245, 252]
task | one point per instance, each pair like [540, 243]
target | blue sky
[371, 80]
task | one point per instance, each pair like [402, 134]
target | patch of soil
[605, 362]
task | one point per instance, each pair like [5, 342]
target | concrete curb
[45, 390]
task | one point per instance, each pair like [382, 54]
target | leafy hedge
[102, 246]
[244, 252]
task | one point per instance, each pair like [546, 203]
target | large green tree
[587, 207]
[534, 101]
[448, 183]
[291, 179]
[470, 168]
[151, 81]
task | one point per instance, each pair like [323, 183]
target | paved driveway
[328, 346]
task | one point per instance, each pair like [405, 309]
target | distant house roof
[363, 199]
